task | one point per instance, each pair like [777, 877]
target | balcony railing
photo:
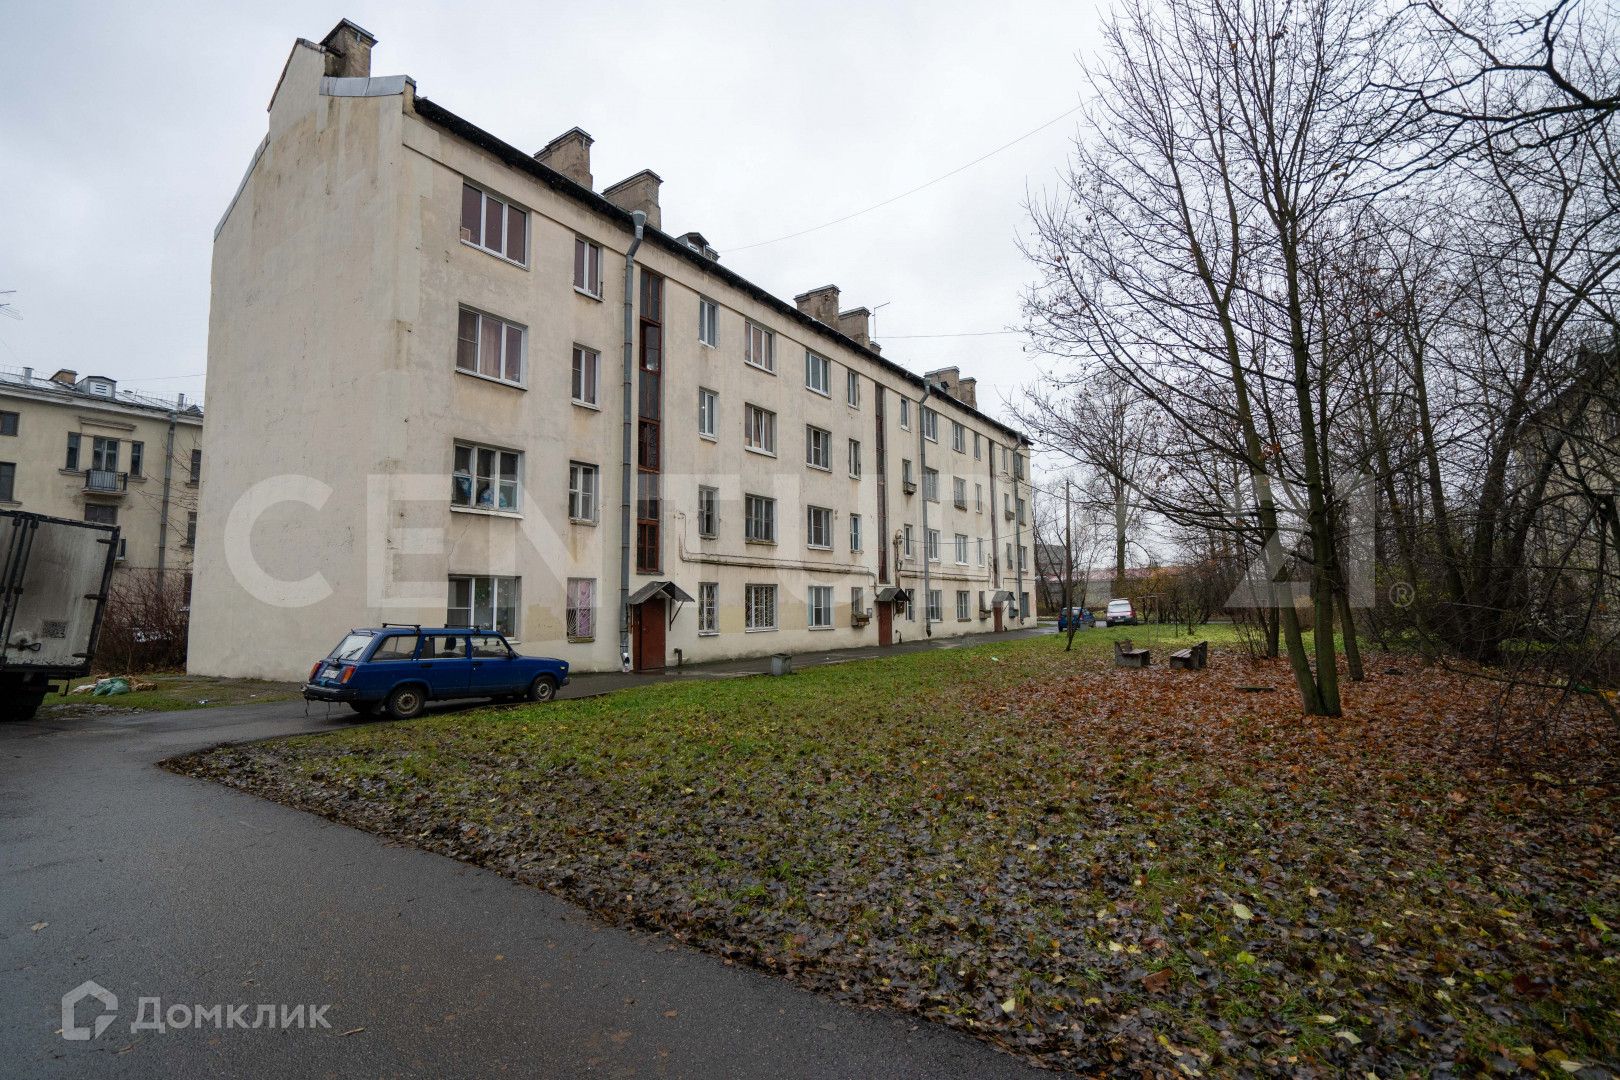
[105, 481]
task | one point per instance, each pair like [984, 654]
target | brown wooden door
[998, 618]
[648, 647]
[885, 613]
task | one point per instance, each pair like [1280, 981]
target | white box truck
[53, 589]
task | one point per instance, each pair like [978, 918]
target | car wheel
[544, 688]
[405, 702]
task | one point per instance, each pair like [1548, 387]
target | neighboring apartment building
[82, 448]
[432, 400]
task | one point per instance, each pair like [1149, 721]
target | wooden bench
[1128, 655]
[1193, 659]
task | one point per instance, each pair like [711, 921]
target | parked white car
[1120, 613]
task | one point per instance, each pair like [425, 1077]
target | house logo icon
[71, 1029]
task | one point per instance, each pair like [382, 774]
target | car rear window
[351, 647]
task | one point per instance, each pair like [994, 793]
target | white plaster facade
[335, 406]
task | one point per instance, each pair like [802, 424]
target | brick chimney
[569, 154]
[638, 192]
[348, 51]
[856, 325]
[963, 390]
[66, 377]
[820, 304]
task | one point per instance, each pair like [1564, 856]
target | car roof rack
[402, 626]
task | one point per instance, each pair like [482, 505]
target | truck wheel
[404, 702]
[21, 706]
[544, 688]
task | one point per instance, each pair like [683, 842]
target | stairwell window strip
[581, 615]
[485, 478]
[587, 372]
[587, 268]
[494, 225]
[490, 347]
[759, 607]
[708, 608]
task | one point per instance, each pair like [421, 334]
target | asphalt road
[159, 886]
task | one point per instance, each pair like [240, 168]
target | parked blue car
[1079, 615]
[399, 669]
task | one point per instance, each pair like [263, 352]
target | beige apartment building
[453, 381]
[79, 447]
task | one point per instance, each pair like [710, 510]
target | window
[961, 549]
[980, 543]
[489, 647]
[817, 447]
[759, 519]
[196, 466]
[978, 497]
[759, 607]
[977, 447]
[1018, 466]
[104, 454]
[818, 527]
[936, 605]
[708, 408]
[958, 437]
[708, 322]
[490, 347]
[905, 414]
[708, 607]
[581, 491]
[444, 646]
[852, 389]
[854, 532]
[760, 347]
[857, 600]
[1023, 560]
[931, 540]
[906, 544]
[906, 480]
[8, 423]
[191, 528]
[1020, 511]
[489, 603]
[759, 429]
[855, 458]
[72, 452]
[8, 481]
[137, 458]
[818, 374]
[963, 612]
[931, 485]
[708, 514]
[959, 492]
[587, 371]
[485, 478]
[930, 424]
[581, 625]
[820, 607]
[489, 223]
[396, 647]
[100, 514]
[587, 267]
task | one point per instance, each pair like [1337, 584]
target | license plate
[329, 672]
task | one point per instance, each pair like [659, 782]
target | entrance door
[885, 613]
[999, 608]
[648, 654]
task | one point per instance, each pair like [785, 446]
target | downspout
[640, 219]
[1018, 533]
[922, 478]
[163, 518]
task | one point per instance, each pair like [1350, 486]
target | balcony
[105, 482]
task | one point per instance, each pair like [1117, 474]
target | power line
[965, 333]
[913, 191]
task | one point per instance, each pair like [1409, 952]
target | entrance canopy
[891, 595]
[1002, 596]
[667, 590]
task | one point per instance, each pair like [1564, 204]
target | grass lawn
[1099, 869]
[175, 691]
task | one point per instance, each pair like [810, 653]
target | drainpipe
[922, 478]
[163, 518]
[640, 219]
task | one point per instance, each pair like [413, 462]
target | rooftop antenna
[875, 310]
[7, 308]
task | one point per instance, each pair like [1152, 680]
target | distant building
[81, 448]
[433, 399]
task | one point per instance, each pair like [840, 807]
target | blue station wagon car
[399, 669]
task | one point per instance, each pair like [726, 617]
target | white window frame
[584, 492]
[759, 347]
[931, 545]
[708, 512]
[930, 484]
[575, 627]
[708, 606]
[708, 414]
[855, 459]
[592, 268]
[964, 605]
[936, 605]
[483, 219]
[978, 498]
[959, 492]
[481, 319]
[961, 549]
[930, 423]
[905, 414]
[817, 374]
[759, 510]
[474, 477]
[818, 527]
[907, 544]
[759, 607]
[852, 388]
[817, 448]
[958, 437]
[499, 585]
[586, 368]
[981, 550]
[855, 532]
[759, 430]
[978, 447]
[818, 607]
[708, 322]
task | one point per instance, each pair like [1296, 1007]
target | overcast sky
[126, 128]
